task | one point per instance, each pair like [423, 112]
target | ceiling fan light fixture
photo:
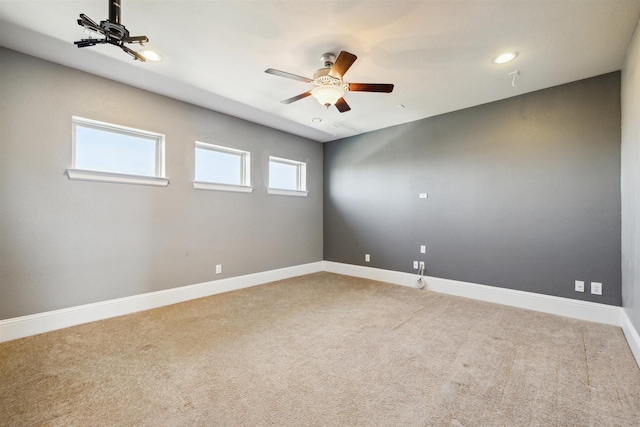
[505, 57]
[327, 95]
[110, 31]
[329, 88]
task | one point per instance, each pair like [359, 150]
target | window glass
[287, 174]
[111, 148]
[221, 165]
[102, 150]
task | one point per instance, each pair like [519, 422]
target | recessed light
[151, 55]
[504, 58]
[316, 120]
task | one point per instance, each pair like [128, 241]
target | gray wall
[631, 183]
[524, 193]
[64, 243]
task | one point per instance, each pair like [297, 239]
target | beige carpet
[323, 350]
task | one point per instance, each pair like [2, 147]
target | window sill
[199, 185]
[118, 178]
[279, 192]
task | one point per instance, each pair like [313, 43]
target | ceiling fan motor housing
[322, 77]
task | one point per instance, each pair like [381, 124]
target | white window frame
[117, 177]
[301, 183]
[245, 172]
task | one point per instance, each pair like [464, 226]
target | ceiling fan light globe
[151, 55]
[327, 95]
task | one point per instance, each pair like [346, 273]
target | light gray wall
[524, 193]
[64, 243]
[631, 183]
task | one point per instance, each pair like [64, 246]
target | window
[222, 168]
[287, 177]
[112, 153]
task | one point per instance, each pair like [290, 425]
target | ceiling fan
[329, 86]
[113, 31]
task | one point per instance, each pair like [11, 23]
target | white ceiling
[437, 53]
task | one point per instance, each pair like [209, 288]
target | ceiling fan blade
[342, 105]
[133, 53]
[136, 39]
[89, 42]
[87, 23]
[287, 75]
[343, 63]
[296, 98]
[371, 87]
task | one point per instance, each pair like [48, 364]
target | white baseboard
[389, 276]
[632, 336]
[583, 310]
[24, 326]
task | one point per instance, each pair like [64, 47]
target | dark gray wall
[524, 193]
[64, 243]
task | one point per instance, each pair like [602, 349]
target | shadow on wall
[522, 193]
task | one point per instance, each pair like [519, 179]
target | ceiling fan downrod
[114, 11]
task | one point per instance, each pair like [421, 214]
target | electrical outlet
[415, 264]
[422, 264]
[596, 288]
[423, 249]
[218, 268]
[579, 286]
[367, 258]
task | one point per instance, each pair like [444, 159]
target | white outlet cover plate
[596, 288]
[579, 286]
